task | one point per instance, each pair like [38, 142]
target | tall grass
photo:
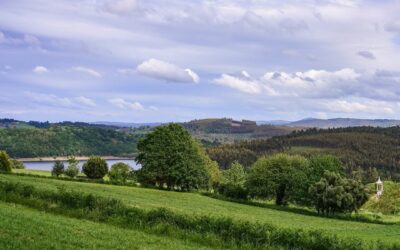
[164, 221]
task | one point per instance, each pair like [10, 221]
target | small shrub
[58, 168]
[119, 172]
[5, 163]
[17, 164]
[72, 171]
[73, 168]
[233, 191]
[95, 168]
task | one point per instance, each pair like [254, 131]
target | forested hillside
[367, 150]
[63, 140]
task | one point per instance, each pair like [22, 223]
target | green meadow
[195, 203]
[25, 228]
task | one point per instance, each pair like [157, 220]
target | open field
[193, 203]
[32, 171]
[25, 228]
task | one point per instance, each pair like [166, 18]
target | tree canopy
[95, 168]
[280, 176]
[334, 193]
[170, 158]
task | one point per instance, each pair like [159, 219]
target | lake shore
[65, 158]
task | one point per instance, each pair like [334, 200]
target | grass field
[193, 203]
[32, 171]
[25, 228]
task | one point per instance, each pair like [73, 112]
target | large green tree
[170, 158]
[281, 177]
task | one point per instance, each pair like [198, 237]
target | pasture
[195, 203]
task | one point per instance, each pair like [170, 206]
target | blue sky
[157, 61]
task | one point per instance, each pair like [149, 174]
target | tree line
[171, 159]
[366, 152]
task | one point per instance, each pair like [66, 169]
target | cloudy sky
[171, 60]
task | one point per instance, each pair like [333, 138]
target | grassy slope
[389, 202]
[32, 171]
[25, 228]
[192, 203]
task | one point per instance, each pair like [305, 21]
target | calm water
[48, 165]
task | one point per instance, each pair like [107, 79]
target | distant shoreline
[65, 158]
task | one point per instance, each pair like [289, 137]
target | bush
[5, 163]
[119, 172]
[72, 171]
[95, 168]
[17, 164]
[73, 168]
[58, 168]
[233, 191]
[336, 194]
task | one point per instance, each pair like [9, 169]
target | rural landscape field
[208, 124]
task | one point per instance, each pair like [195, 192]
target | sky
[176, 60]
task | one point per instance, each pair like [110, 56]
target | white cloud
[120, 7]
[85, 101]
[87, 71]
[40, 70]
[312, 83]
[241, 84]
[122, 104]
[49, 99]
[57, 101]
[166, 71]
[353, 107]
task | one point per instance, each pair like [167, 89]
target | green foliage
[232, 182]
[211, 166]
[235, 175]
[119, 172]
[73, 168]
[64, 140]
[280, 176]
[388, 202]
[15, 164]
[106, 210]
[244, 152]
[5, 163]
[170, 158]
[95, 167]
[58, 168]
[334, 194]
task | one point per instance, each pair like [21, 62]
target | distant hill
[65, 140]
[361, 149]
[216, 131]
[128, 124]
[343, 122]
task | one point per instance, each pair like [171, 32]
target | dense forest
[366, 151]
[63, 140]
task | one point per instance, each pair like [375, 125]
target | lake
[48, 165]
